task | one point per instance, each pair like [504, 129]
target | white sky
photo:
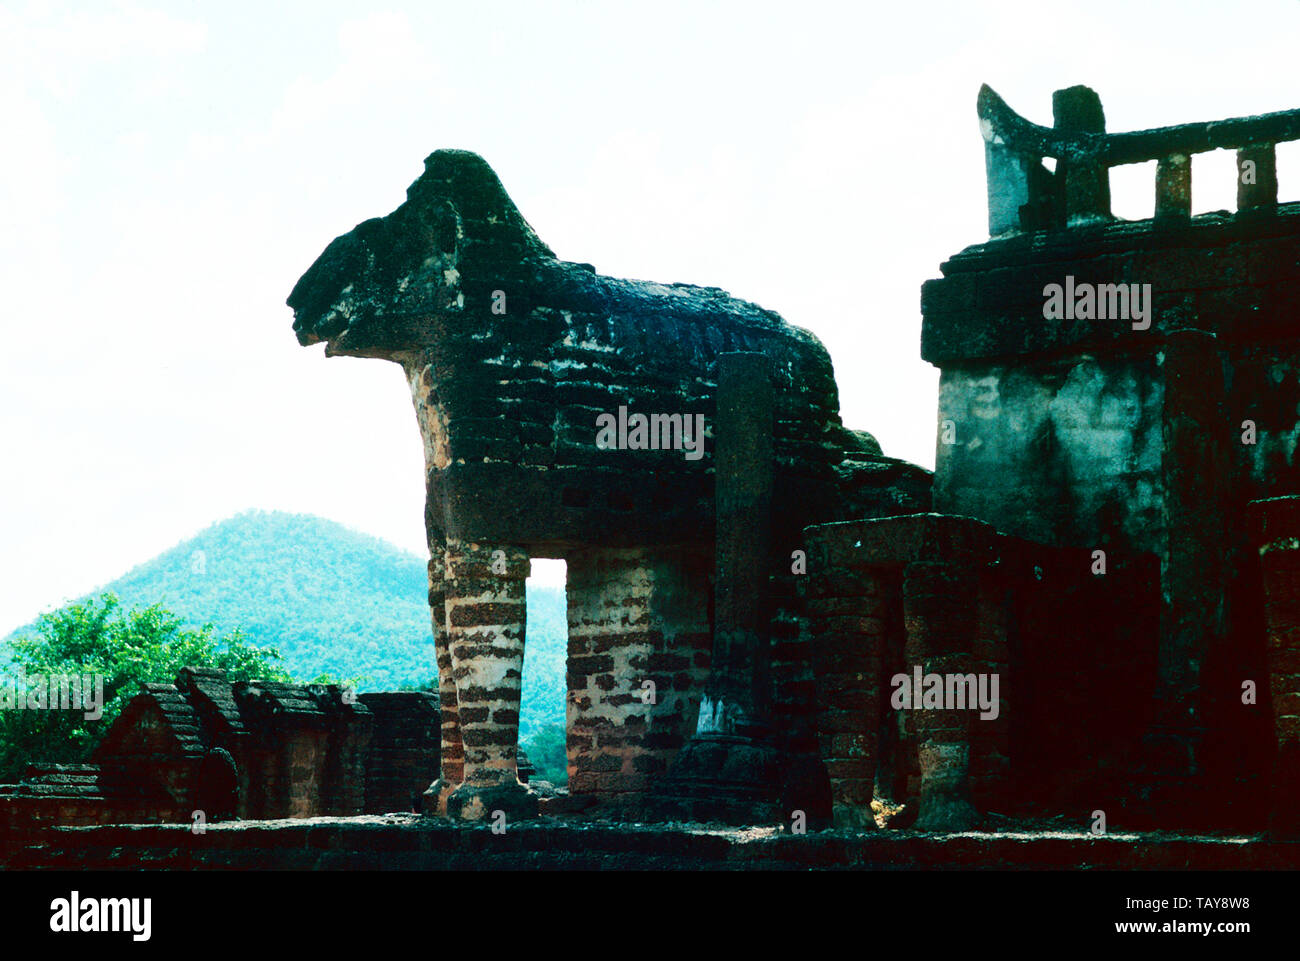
[168, 171]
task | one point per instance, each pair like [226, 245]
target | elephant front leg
[452, 753]
[486, 617]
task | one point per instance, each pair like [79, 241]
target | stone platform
[410, 842]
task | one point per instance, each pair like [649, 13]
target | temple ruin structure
[1108, 538]
[1090, 607]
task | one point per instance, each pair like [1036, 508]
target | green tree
[546, 750]
[125, 648]
[430, 685]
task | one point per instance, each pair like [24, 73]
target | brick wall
[635, 617]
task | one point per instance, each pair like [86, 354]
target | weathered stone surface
[998, 605]
[1113, 539]
[1138, 431]
[404, 749]
[508, 401]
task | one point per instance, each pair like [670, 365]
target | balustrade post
[1085, 188]
[1174, 187]
[1256, 176]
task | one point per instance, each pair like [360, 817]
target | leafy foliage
[547, 752]
[126, 649]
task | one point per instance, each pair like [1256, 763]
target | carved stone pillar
[1196, 476]
[729, 769]
[740, 683]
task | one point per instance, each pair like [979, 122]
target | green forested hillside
[334, 601]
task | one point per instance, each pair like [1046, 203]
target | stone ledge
[1230, 276]
[409, 842]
